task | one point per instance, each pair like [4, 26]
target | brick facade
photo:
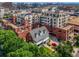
[22, 34]
[57, 33]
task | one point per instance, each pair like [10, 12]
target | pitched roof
[41, 37]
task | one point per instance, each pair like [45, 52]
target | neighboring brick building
[21, 33]
[66, 33]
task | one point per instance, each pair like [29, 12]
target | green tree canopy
[65, 49]
[20, 53]
[77, 41]
[12, 46]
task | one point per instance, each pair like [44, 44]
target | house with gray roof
[40, 35]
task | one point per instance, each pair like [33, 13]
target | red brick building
[66, 33]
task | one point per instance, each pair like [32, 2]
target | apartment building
[54, 19]
[58, 18]
[32, 18]
[18, 18]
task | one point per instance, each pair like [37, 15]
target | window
[50, 14]
[54, 22]
[69, 37]
[53, 34]
[64, 15]
[76, 31]
[59, 30]
[47, 14]
[39, 33]
[59, 22]
[59, 19]
[48, 21]
[59, 25]
[51, 19]
[57, 15]
[54, 19]
[60, 15]
[36, 35]
[53, 15]
[44, 31]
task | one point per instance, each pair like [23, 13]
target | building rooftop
[67, 27]
[74, 21]
[10, 24]
[39, 34]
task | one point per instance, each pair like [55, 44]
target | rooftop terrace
[74, 21]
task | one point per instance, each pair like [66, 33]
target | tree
[20, 53]
[9, 41]
[11, 45]
[77, 40]
[65, 49]
[34, 49]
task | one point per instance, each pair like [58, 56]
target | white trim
[42, 41]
